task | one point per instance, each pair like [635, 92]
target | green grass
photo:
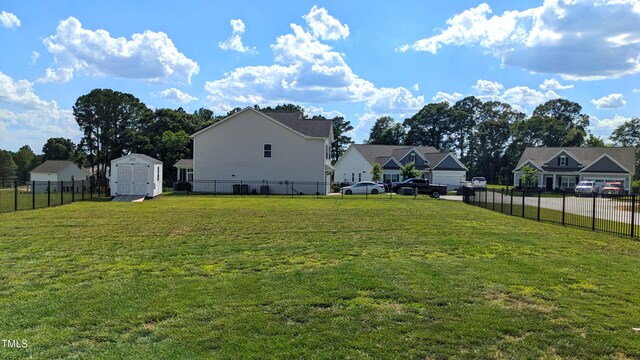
[229, 277]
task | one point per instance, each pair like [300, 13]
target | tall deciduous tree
[25, 160]
[111, 122]
[557, 122]
[58, 149]
[376, 172]
[628, 134]
[7, 166]
[171, 148]
[431, 126]
[386, 131]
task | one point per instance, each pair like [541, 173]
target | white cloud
[149, 56]
[27, 119]
[525, 96]
[307, 71]
[608, 124]
[486, 87]
[450, 98]
[553, 84]
[611, 101]
[34, 57]
[312, 111]
[325, 26]
[234, 43]
[636, 91]
[558, 37]
[177, 96]
[416, 87]
[9, 20]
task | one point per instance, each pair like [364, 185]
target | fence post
[215, 188]
[564, 196]
[33, 194]
[292, 188]
[82, 189]
[593, 215]
[511, 209]
[61, 192]
[15, 194]
[502, 200]
[493, 199]
[240, 188]
[91, 184]
[633, 215]
[73, 189]
[366, 192]
[539, 195]
[523, 201]
[48, 193]
[317, 189]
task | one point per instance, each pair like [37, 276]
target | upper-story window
[267, 150]
[413, 158]
[563, 161]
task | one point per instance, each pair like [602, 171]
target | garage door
[451, 179]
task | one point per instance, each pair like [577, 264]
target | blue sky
[359, 59]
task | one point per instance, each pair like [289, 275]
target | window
[359, 177]
[353, 177]
[413, 157]
[267, 150]
[568, 182]
[389, 178]
[562, 161]
[327, 152]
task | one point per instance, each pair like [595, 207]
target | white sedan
[363, 187]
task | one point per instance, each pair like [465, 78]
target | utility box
[136, 174]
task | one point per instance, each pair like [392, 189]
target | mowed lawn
[227, 277]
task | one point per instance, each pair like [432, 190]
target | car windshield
[616, 185]
[478, 179]
[585, 183]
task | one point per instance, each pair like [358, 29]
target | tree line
[489, 137]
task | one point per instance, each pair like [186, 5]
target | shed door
[125, 178]
[140, 179]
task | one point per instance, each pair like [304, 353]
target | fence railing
[616, 214]
[31, 195]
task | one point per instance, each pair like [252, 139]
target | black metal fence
[614, 214]
[31, 195]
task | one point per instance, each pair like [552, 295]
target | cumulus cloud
[553, 84]
[148, 56]
[9, 20]
[636, 91]
[525, 96]
[234, 43]
[26, 118]
[450, 98]
[313, 110]
[558, 37]
[306, 71]
[486, 87]
[177, 96]
[611, 101]
[34, 57]
[325, 26]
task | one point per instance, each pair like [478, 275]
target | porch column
[178, 174]
[555, 182]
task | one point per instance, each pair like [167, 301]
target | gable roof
[451, 164]
[184, 163]
[372, 152]
[625, 156]
[317, 128]
[52, 166]
[142, 156]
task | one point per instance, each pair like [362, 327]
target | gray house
[563, 168]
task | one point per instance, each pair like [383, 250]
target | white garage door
[452, 179]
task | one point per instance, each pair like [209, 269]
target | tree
[466, 113]
[58, 149]
[594, 141]
[111, 122]
[173, 147]
[557, 122]
[431, 126]
[25, 161]
[376, 172]
[628, 134]
[340, 139]
[529, 176]
[7, 166]
[386, 131]
[409, 171]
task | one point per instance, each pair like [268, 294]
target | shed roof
[52, 166]
[142, 156]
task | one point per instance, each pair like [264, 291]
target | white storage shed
[136, 174]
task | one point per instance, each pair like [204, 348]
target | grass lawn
[228, 277]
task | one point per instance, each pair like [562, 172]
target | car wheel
[348, 192]
[374, 191]
[435, 194]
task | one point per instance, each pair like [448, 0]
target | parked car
[612, 188]
[422, 185]
[586, 188]
[464, 184]
[479, 182]
[363, 187]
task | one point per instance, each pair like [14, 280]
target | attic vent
[132, 159]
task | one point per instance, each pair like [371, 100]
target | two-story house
[263, 149]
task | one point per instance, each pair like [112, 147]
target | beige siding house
[258, 149]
